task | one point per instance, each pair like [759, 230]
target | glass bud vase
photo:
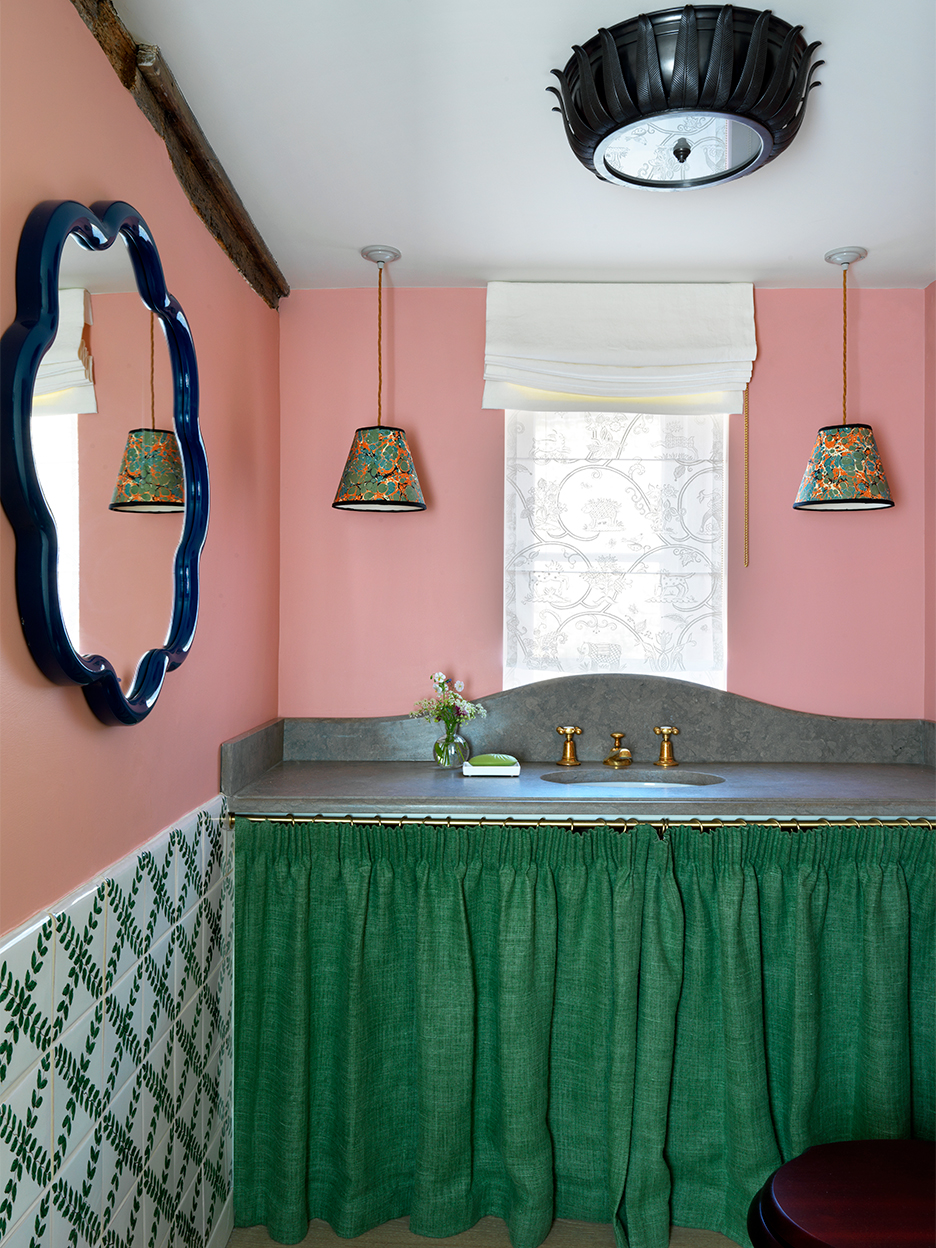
[450, 750]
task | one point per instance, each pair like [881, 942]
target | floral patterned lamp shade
[379, 474]
[150, 477]
[845, 472]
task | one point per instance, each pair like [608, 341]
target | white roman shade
[674, 348]
[65, 381]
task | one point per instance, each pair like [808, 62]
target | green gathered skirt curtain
[534, 1023]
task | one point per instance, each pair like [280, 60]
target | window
[55, 453]
[614, 561]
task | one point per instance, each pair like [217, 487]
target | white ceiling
[426, 124]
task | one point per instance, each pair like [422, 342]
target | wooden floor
[488, 1233]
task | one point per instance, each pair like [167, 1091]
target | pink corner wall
[829, 617]
[929, 467]
[77, 795]
[372, 605]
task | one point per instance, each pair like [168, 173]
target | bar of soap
[491, 765]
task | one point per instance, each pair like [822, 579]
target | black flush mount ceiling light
[686, 98]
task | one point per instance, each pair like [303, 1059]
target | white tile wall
[116, 1054]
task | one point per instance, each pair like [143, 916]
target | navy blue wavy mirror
[31, 357]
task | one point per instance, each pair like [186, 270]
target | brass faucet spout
[619, 757]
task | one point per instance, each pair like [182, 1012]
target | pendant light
[150, 477]
[686, 97]
[379, 474]
[845, 472]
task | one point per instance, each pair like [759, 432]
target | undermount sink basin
[644, 777]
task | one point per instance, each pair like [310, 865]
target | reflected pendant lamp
[845, 472]
[150, 479]
[379, 474]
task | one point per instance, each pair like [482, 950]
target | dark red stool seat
[859, 1194]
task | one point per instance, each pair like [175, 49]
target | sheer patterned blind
[613, 558]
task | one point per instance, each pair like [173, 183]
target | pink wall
[372, 605]
[828, 617]
[77, 795]
[929, 682]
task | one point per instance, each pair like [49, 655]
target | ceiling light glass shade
[150, 477]
[685, 97]
[845, 472]
[379, 474]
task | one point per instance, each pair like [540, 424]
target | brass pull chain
[746, 479]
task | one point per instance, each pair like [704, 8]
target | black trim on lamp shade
[379, 474]
[844, 473]
[674, 70]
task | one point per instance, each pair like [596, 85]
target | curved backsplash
[714, 726]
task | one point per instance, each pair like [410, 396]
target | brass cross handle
[666, 747]
[568, 750]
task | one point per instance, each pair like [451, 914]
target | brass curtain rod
[617, 825]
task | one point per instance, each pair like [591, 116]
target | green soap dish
[491, 765]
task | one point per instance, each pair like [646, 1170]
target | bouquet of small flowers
[448, 707]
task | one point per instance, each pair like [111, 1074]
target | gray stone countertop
[746, 790]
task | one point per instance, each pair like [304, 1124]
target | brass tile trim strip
[616, 825]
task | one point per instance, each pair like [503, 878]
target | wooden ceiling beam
[142, 70]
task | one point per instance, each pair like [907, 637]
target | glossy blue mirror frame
[21, 350]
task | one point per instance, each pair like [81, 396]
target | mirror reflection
[115, 568]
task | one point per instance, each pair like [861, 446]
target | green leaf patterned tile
[115, 1054]
[159, 887]
[190, 954]
[26, 1011]
[33, 1230]
[123, 1031]
[25, 1142]
[189, 1059]
[213, 926]
[188, 1149]
[79, 956]
[159, 1000]
[209, 1094]
[77, 1083]
[158, 1102]
[126, 1227]
[76, 1196]
[122, 1154]
[215, 1188]
[188, 841]
[212, 852]
[125, 920]
[187, 1225]
[160, 1197]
